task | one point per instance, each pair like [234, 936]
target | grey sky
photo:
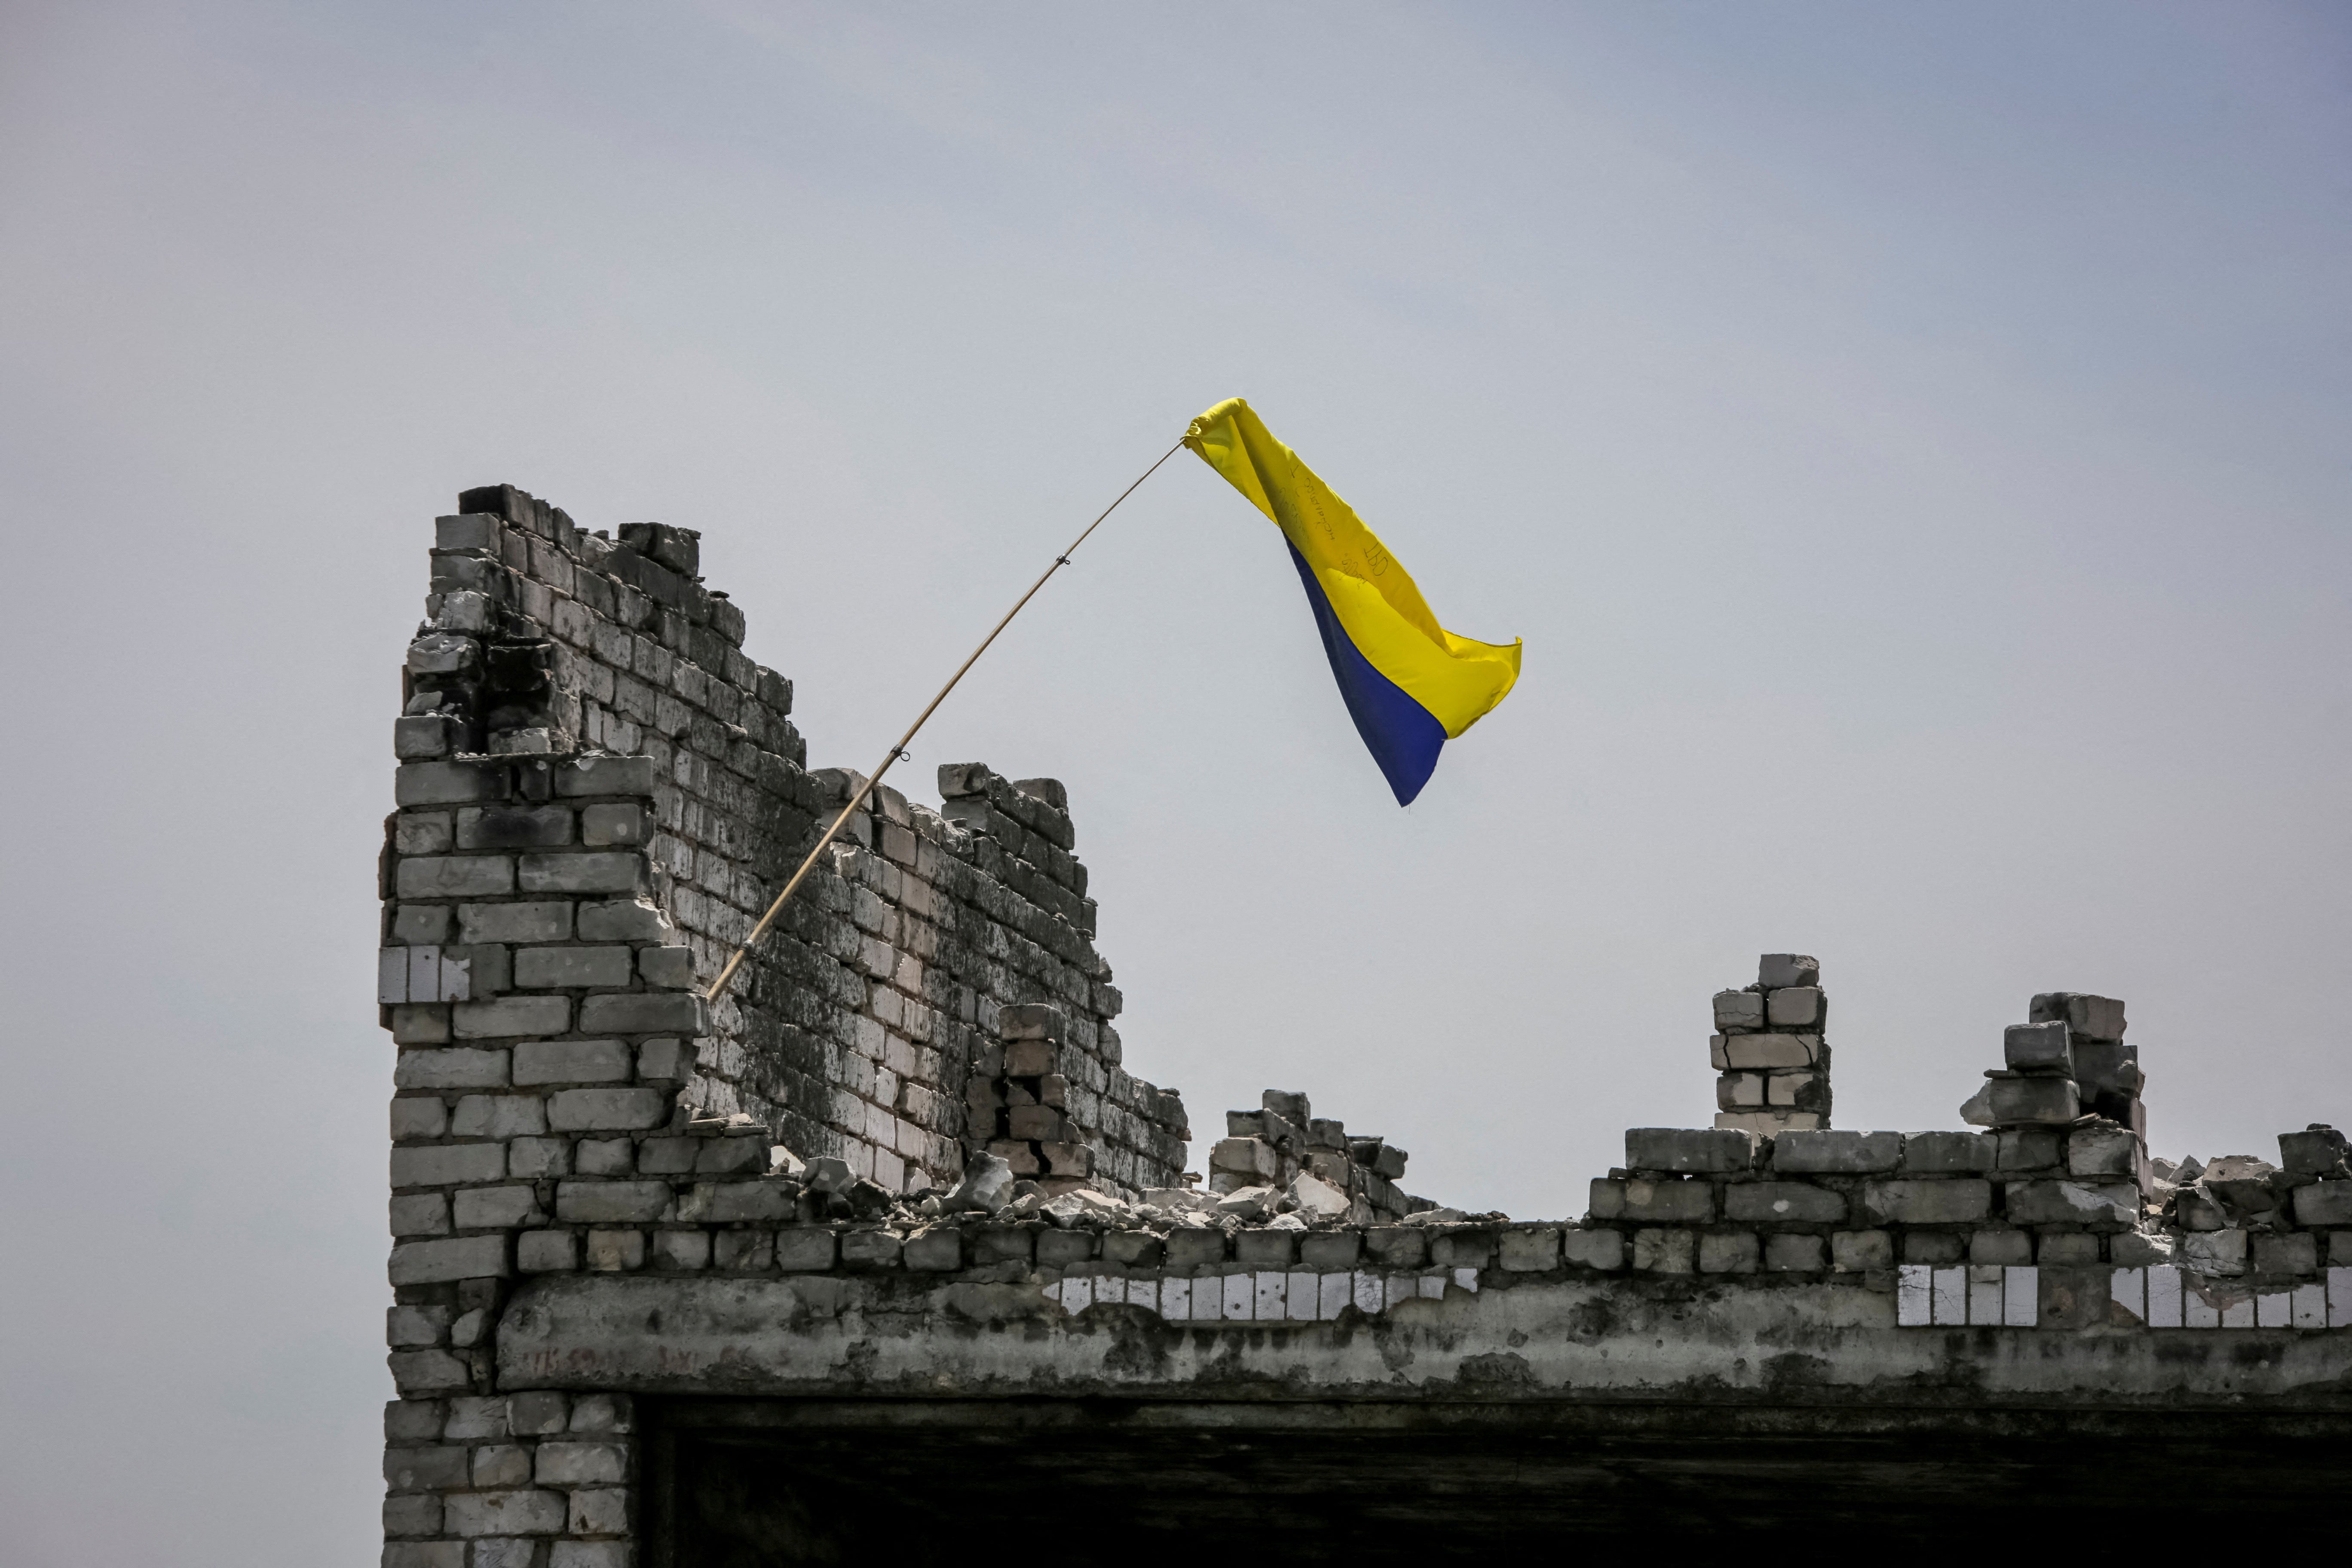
[1911, 440]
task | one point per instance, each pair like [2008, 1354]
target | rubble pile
[1283, 1148]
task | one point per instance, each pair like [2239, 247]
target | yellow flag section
[1410, 684]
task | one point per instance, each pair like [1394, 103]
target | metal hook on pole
[899, 750]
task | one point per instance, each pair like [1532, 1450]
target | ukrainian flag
[1410, 684]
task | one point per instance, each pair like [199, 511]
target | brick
[604, 1157]
[578, 1464]
[645, 1012]
[2050, 1101]
[2315, 1151]
[1838, 1152]
[1728, 1252]
[608, 1110]
[1603, 1249]
[616, 1251]
[1258, 1248]
[938, 1251]
[504, 1513]
[2006, 1248]
[1938, 1153]
[1739, 1009]
[1757, 1051]
[414, 1470]
[670, 968]
[667, 1061]
[454, 876]
[619, 824]
[595, 775]
[1950, 1201]
[420, 1025]
[600, 1511]
[510, 1015]
[593, 1555]
[529, 1158]
[1855, 1251]
[446, 783]
[2093, 1017]
[2027, 1148]
[501, 1464]
[1782, 1202]
[448, 1164]
[461, 1258]
[412, 1328]
[572, 1061]
[1667, 1203]
[880, 1248]
[1664, 1251]
[2287, 1254]
[1528, 1251]
[1932, 1246]
[501, 1116]
[811, 1250]
[624, 920]
[547, 1252]
[2324, 1204]
[1795, 1254]
[495, 1208]
[427, 1371]
[539, 968]
[424, 1554]
[584, 871]
[683, 1250]
[424, 735]
[476, 1419]
[1689, 1149]
[521, 922]
[1200, 1249]
[418, 1514]
[735, 1203]
[513, 826]
[463, 1068]
[594, 1203]
[418, 1116]
[2115, 1204]
[413, 1420]
[1794, 1007]
[1032, 1022]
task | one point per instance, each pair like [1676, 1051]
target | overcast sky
[1910, 439]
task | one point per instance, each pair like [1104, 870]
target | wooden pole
[857, 799]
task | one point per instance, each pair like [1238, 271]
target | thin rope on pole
[735, 962]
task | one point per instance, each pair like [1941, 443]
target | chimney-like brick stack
[1770, 1049]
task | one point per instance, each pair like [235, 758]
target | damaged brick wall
[597, 794]
[853, 1032]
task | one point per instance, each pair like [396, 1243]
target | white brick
[2021, 1297]
[2164, 1297]
[1913, 1296]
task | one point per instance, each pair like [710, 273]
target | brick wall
[597, 794]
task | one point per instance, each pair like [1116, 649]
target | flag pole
[857, 799]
